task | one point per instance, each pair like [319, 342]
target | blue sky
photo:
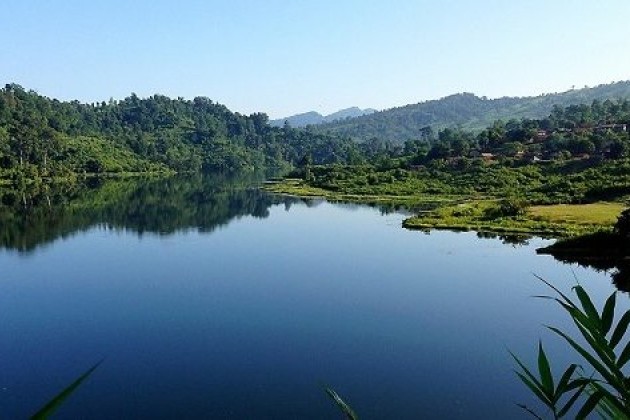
[285, 57]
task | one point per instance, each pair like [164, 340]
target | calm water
[212, 300]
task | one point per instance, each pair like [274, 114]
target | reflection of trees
[43, 213]
[514, 240]
[600, 251]
[621, 277]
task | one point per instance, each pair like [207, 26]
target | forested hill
[465, 111]
[40, 136]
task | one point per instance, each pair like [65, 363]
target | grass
[602, 213]
[298, 188]
[546, 221]
[599, 384]
[468, 212]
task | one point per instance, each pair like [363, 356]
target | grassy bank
[474, 212]
[557, 220]
[298, 188]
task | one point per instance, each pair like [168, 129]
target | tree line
[466, 111]
[40, 136]
[600, 130]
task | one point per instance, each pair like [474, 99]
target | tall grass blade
[545, 370]
[555, 289]
[53, 404]
[624, 356]
[564, 381]
[620, 330]
[530, 411]
[540, 393]
[587, 305]
[586, 355]
[564, 410]
[589, 405]
[609, 399]
[526, 371]
[608, 313]
[343, 406]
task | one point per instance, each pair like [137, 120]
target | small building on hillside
[618, 128]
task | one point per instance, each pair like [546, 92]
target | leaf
[555, 289]
[53, 404]
[571, 401]
[606, 355]
[589, 405]
[345, 408]
[545, 370]
[530, 411]
[624, 357]
[620, 330]
[608, 313]
[531, 377]
[609, 408]
[591, 360]
[536, 390]
[564, 381]
[610, 400]
[587, 305]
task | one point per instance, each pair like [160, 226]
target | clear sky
[291, 56]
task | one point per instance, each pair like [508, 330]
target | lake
[210, 299]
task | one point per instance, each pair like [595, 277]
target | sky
[292, 56]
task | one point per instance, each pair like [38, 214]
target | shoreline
[466, 213]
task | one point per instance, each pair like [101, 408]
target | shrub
[622, 227]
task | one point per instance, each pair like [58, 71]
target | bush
[508, 207]
[622, 227]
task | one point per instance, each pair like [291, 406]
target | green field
[602, 213]
[470, 212]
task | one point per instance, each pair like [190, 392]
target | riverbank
[460, 212]
[298, 188]
[552, 221]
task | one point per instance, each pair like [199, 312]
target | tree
[622, 227]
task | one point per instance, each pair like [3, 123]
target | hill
[40, 136]
[314, 118]
[464, 110]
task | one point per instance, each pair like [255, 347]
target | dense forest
[598, 131]
[41, 137]
[464, 111]
[576, 154]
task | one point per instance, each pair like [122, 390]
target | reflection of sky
[252, 318]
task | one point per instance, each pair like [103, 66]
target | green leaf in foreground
[53, 404]
[345, 408]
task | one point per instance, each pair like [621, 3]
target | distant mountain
[464, 110]
[299, 120]
[314, 118]
[348, 113]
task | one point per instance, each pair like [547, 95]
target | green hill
[464, 110]
[40, 136]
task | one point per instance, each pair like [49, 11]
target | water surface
[210, 299]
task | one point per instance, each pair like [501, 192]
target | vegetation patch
[604, 213]
[491, 216]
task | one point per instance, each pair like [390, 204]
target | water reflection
[602, 252]
[514, 240]
[42, 213]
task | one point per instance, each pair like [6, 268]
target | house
[541, 135]
[487, 156]
[618, 128]
[416, 167]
